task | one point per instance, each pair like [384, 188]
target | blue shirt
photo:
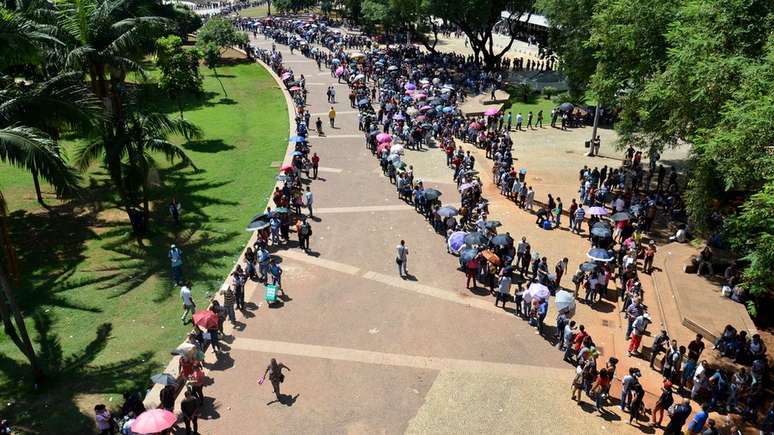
[698, 421]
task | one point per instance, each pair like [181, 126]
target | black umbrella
[588, 267]
[502, 240]
[431, 194]
[622, 216]
[492, 224]
[164, 379]
[476, 238]
[257, 225]
[566, 107]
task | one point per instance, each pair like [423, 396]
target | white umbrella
[396, 149]
[565, 302]
[411, 111]
[538, 291]
[185, 349]
[424, 81]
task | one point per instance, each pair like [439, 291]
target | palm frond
[21, 40]
[29, 148]
[170, 151]
[86, 154]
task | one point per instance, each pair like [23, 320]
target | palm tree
[105, 40]
[22, 41]
[61, 103]
[146, 134]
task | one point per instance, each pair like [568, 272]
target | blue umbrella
[296, 139]
[447, 109]
[467, 255]
[447, 211]
[335, 61]
[297, 153]
[456, 241]
[476, 238]
[599, 254]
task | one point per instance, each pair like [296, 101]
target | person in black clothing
[190, 408]
[167, 397]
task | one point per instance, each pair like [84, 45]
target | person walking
[332, 117]
[276, 377]
[650, 254]
[663, 403]
[190, 408]
[276, 274]
[539, 122]
[189, 306]
[309, 198]
[401, 258]
[176, 258]
[196, 382]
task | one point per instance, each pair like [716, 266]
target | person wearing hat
[664, 402]
[638, 330]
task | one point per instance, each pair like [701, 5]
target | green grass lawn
[257, 11]
[102, 310]
[535, 104]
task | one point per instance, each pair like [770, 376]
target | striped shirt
[228, 298]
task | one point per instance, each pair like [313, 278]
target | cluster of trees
[695, 73]
[63, 74]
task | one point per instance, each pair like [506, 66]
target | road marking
[321, 262]
[343, 112]
[362, 209]
[341, 136]
[394, 281]
[435, 292]
[332, 170]
[398, 360]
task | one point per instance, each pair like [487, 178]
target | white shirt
[402, 252]
[619, 204]
[505, 285]
[309, 198]
[185, 294]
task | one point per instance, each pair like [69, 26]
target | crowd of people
[408, 99]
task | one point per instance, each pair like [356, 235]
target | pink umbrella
[475, 125]
[421, 118]
[295, 88]
[154, 421]
[420, 96]
[339, 71]
[286, 167]
[409, 91]
[383, 138]
[425, 107]
[598, 211]
[286, 76]
[383, 146]
[492, 112]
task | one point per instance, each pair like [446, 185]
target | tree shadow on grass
[54, 406]
[208, 146]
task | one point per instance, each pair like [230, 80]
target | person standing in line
[504, 290]
[315, 163]
[304, 233]
[229, 298]
[539, 122]
[663, 403]
[332, 117]
[309, 198]
[196, 382]
[560, 269]
[678, 415]
[189, 306]
[519, 121]
[190, 408]
[276, 377]
[401, 259]
[529, 120]
[176, 258]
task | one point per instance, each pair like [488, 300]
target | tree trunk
[268, 7]
[215, 71]
[21, 328]
[38, 194]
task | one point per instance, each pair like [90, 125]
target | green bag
[271, 293]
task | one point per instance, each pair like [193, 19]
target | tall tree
[214, 38]
[179, 69]
[568, 36]
[478, 18]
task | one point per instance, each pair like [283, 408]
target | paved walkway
[370, 352]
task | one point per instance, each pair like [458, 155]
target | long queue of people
[408, 99]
